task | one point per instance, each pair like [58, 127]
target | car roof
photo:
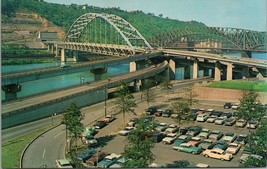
[112, 156]
[64, 162]
[218, 150]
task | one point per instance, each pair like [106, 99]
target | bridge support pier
[98, 73]
[138, 65]
[217, 72]
[195, 69]
[63, 56]
[11, 91]
[245, 72]
[229, 72]
[172, 69]
[137, 85]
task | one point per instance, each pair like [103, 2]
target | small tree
[149, 94]
[72, 119]
[124, 100]
[250, 107]
[139, 146]
[181, 107]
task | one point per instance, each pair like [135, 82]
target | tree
[72, 119]
[181, 107]
[250, 107]
[124, 101]
[140, 144]
[166, 85]
[149, 94]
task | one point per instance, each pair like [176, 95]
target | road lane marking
[57, 135]
[44, 153]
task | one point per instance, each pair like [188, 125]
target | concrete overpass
[37, 107]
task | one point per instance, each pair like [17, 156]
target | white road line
[57, 135]
[44, 153]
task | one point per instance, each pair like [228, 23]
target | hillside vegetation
[64, 15]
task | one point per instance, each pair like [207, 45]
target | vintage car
[241, 139]
[181, 139]
[241, 123]
[108, 160]
[194, 141]
[229, 121]
[63, 163]
[109, 118]
[233, 148]
[220, 120]
[172, 128]
[212, 119]
[126, 131]
[185, 147]
[161, 127]
[90, 140]
[252, 124]
[216, 135]
[205, 144]
[194, 130]
[229, 137]
[96, 158]
[86, 155]
[221, 144]
[169, 139]
[204, 133]
[218, 154]
[100, 124]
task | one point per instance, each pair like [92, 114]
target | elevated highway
[22, 111]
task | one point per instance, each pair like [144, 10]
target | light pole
[106, 96]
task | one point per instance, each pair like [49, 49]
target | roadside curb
[23, 152]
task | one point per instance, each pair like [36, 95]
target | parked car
[216, 135]
[227, 105]
[151, 110]
[252, 124]
[205, 144]
[63, 163]
[229, 137]
[182, 130]
[226, 114]
[96, 158]
[241, 139]
[109, 118]
[125, 131]
[216, 113]
[229, 121]
[166, 113]
[218, 154]
[221, 144]
[118, 163]
[169, 139]
[245, 157]
[108, 160]
[174, 115]
[159, 112]
[89, 131]
[159, 136]
[172, 128]
[235, 106]
[182, 139]
[90, 140]
[185, 147]
[241, 123]
[211, 119]
[202, 117]
[100, 124]
[194, 141]
[161, 127]
[194, 130]
[220, 120]
[204, 133]
[86, 155]
[233, 148]
[133, 122]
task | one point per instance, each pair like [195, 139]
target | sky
[244, 14]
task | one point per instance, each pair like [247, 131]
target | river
[58, 82]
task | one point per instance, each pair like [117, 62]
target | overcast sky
[245, 14]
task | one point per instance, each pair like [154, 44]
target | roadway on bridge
[49, 97]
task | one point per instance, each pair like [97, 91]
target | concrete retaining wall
[38, 112]
[224, 94]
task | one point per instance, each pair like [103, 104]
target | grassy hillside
[63, 15]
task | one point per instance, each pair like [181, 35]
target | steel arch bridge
[229, 37]
[106, 34]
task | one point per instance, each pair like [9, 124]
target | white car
[233, 148]
[220, 120]
[63, 163]
[204, 133]
[169, 139]
[235, 106]
[229, 137]
[172, 128]
[241, 123]
[161, 127]
[252, 124]
[125, 131]
[211, 119]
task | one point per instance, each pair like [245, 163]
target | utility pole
[106, 96]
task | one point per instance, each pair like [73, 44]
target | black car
[151, 110]
[166, 113]
[194, 130]
[216, 113]
[227, 105]
[100, 124]
[159, 136]
[227, 115]
[183, 130]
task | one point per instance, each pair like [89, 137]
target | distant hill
[58, 15]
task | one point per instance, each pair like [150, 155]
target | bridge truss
[106, 34]
[228, 37]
